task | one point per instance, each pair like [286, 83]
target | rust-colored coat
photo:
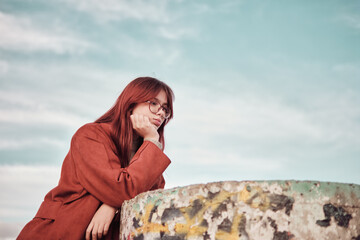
[91, 174]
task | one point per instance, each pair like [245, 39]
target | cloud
[158, 53]
[43, 116]
[3, 67]
[20, 108]
[31, 142]
[176, 33]
[82, 90]
[352, 20]
[11, 98]
[20, 34]
[114, 10]
[46, 112]
[261, 135]
[348, 69]
[23, 189]
[9, 231]
[212, 157]
[156, 12]
[215, 7]
[249, 117]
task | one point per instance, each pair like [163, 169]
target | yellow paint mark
[234, 233]
[221, 235]
[196, 231]
[244, 195]
[189, 230]
[255, 197]
[149, 226]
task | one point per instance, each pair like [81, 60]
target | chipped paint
[245, 210]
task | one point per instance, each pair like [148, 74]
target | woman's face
[155, 118]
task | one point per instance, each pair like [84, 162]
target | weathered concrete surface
[263, 210]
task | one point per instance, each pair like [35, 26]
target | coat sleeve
[160, 183]
[113, 186]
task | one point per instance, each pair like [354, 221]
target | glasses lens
[167, 112]
[155, 107]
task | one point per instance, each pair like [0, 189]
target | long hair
[137, 91]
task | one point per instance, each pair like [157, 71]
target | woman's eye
[153, 103]
[165, 110]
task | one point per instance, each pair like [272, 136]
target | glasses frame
[159, 107]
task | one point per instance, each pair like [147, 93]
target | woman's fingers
[143, 126]
[99, 225]
[100, 231]
[106, 228]
[140, 121]
[89, 230]
[94, 232]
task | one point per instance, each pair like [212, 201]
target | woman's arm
[114, 185]
[103, 217]
[100, 222]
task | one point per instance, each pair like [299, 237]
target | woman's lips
[157, 122]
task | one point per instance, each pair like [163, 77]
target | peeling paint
[278, 202]
[281, 210]
[342, 218]
[279, 235]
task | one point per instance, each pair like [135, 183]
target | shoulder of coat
[93, 130]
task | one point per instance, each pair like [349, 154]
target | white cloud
[156, 53]
[230, 159]
[17, 99]
[23, 188]
[264, 130]
[74, 94]
[31, 111]
[33, 142]
[20, 34]
[352, 20]
[176, 33]
[155, 11]
[42, 116]
[350, 69]
[215, 7]
[250, 117]
[9, 231]
[3, 66]
[114, 10]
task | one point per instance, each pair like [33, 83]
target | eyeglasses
[155, 108]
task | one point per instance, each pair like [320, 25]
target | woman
[111, 160]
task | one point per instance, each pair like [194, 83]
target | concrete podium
[263, 210]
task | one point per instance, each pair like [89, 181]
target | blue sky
[264, 89]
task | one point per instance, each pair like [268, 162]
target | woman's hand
[100, 222]
[144, 127]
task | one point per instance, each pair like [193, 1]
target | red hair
[137, 91]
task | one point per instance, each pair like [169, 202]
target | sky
[264, 90]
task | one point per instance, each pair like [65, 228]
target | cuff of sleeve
[157, 143]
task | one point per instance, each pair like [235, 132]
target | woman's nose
[161, 112]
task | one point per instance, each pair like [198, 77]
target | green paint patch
[136, 207]
[312, 190]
